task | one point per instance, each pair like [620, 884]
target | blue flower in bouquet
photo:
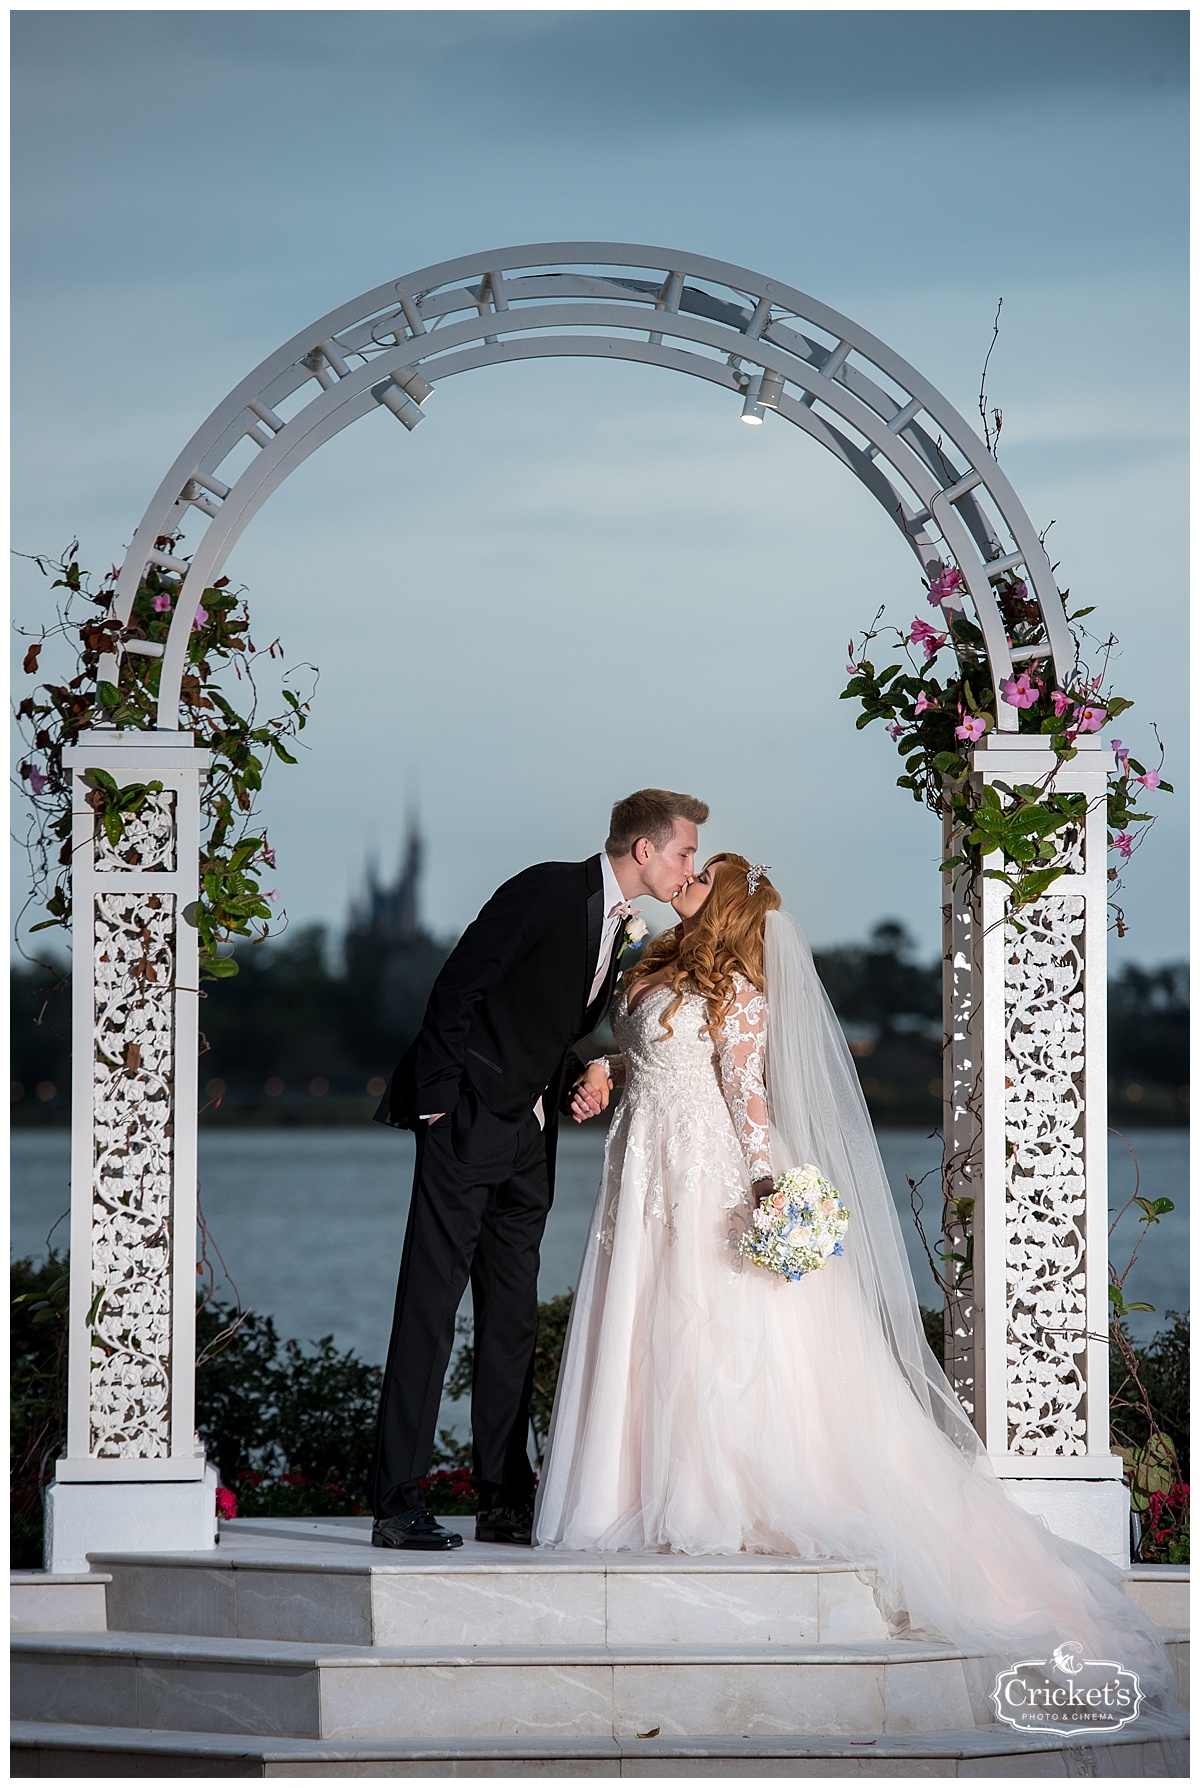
[798, 1227]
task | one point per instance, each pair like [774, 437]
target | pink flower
[269, 855]
[1151, 779]
[922, 634]
[1061, 702]
[1123, 842]
[226, 1503]
[1020, 692]
[1088, 719]
[947, 585]
[852, 669]
[973, 727]
[37, 781]
[1122, 755]
[162, 603]
[924, 704]
[201, 620]
[895, 729]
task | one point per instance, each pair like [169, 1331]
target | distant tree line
[309, 1029]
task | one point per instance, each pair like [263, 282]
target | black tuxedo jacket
[510, 1001]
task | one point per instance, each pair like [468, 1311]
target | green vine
[234, 850]
[1013, 832]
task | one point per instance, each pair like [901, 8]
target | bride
[707, 1406]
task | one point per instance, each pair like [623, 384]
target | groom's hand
[589, 1095]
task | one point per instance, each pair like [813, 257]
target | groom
[482, 1086]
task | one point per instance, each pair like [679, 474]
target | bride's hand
[762, 1189]
[590, 1094]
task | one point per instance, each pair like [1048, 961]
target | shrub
[302, 1422]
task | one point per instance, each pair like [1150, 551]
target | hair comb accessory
[755, 874]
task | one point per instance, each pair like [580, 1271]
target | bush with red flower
[1166, 1527]
[450, 1492]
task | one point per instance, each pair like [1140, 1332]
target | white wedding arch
[1024, 1005]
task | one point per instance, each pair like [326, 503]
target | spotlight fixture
[770, 390]
[403, 394]
[752, 410]
[412, 382]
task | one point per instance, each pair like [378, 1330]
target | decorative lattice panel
[130, 1377]
[1045, 1183]
[148, 839]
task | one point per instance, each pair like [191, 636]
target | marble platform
[298, 1649]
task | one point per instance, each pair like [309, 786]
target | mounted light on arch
[752, 410]
[403, 394]
[762, 394]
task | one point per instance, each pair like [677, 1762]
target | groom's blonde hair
[650, 813]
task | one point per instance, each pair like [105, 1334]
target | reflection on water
[310, 1222]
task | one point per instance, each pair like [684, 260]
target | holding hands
[590, 1094]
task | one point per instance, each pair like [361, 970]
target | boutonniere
[635, 930]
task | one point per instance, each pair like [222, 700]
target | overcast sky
[579, 578]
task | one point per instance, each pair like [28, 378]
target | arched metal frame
[900, 437]
[1024, 1002]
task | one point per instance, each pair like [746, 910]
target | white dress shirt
[614, 916]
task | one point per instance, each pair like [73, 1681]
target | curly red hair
[726, 937]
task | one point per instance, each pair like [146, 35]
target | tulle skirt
[705, 1406]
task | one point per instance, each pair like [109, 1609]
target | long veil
[818, 1115]
[986, 1574]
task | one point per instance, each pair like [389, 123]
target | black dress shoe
[506, 1527]
[416, 1531]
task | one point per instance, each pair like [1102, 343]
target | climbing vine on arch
[221, 703]
[937, 706]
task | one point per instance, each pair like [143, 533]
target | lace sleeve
[741, 1046]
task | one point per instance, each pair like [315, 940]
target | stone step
[324, 1583]
[1163, 1592]
[78, 1750]
[292, 1690]
[57, 1602]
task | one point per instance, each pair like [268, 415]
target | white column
[1041, 1226]
[133, 1477]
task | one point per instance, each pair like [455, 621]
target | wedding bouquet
[798, 1227]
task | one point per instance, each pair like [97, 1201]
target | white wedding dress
[706, 1406]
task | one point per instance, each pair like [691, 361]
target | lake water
[310, 1222]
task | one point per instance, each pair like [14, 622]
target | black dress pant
[480, 1198]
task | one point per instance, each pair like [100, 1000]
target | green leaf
[282, 753]
[1030, 886]
[220, 967]
[1117, 704]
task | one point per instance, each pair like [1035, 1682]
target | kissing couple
[704, 1406]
